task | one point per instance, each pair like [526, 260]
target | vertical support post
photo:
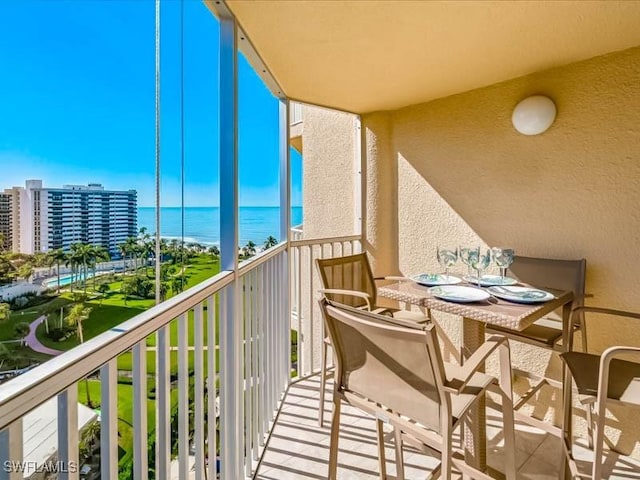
[198, 391]
[285, 181]
[255, 394]
[212, 390]
[163, 406]
[68, 433]
[157, 255]
[11, 443]
[248, 377]
[109, 420]
[140, 457]
[231, 399]
[183, 396]
[286, 306]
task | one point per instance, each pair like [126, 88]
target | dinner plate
[433, 279]
[459, 294]
[521, 294]
[489, 280]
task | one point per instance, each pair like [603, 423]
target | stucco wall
[328, 158]
[455, 171]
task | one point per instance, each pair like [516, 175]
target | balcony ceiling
[364, 56]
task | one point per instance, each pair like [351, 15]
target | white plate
[459, 294]
[521, 294]
[489, 280]
[433, 279]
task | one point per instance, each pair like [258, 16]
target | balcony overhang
[370, 56]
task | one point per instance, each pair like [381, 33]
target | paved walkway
[34, 344]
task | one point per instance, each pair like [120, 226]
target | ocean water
[202, 224]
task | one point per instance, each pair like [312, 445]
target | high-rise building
[44, 219]
[6, 220]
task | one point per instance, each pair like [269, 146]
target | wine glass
[465, 256]
[447, 258]
[480, 263]
[503, 257]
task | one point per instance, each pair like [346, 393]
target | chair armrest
[605, 362]
[459, 376]
[353, 293]
[607, 311]
[395, 278]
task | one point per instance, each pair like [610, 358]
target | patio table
[475, 316]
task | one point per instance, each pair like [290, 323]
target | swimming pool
[65, 280]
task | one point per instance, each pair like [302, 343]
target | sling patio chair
[349, 280]
[393, 370]
[563, 275]
[600, 380]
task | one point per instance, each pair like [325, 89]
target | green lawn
[125, 361]
[28, 315]
[125, 412]
[114, 308]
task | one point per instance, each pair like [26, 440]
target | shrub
[21, 329]
[138, 287]
[60, 334]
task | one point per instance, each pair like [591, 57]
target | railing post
[109, 420]
[140, 439]
[68, 433]
[11, 443]
[231, 381]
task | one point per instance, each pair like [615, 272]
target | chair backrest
[351, 272]
[567, 275]
[387, 361]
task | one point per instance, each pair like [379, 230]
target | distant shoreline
[241, 206]
[202, 224]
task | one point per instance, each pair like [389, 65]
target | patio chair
[349, 280]
[566, 275]
[393, 370]
[600, 380]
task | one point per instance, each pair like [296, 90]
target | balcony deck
[299, 449]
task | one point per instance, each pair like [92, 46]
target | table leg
[567, 385]
[475, 424]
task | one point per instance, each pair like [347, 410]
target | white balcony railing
[264, 356]
[265, 291]
[305, 283]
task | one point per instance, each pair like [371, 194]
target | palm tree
[103, 288]
[270, 242]
[57, 257]
[132, 248]
[214, 251]
[146, 249]
[5, 354]
[71, 261]
[90, 439]
[249, 249]
[164, 288]
[100, 254]
[123, 248]
[177, 284]
[84, 256]
[78, 314]
[5, 311]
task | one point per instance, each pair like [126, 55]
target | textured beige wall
[329, 199]
[454, 171]
[328, 158]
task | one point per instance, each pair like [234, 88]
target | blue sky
[77, 102]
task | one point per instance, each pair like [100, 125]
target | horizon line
[216, 206]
